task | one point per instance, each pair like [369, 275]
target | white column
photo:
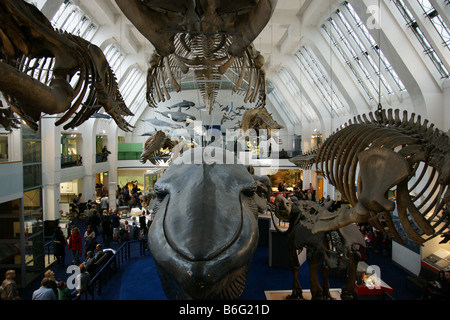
[51, 168]
[88, 153]
[112, 160]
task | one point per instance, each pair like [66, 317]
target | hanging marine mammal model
[205, 230]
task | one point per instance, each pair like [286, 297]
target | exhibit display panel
[150, 178]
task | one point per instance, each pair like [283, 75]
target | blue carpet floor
[137, 279]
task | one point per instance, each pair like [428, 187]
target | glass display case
[150, 178]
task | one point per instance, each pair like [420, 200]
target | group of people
[52, 289]
[377, 240]
[298, 191]
[73, 242]
[439, 289]
[128, 198]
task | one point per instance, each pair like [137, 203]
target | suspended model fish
[160, 123]
[177, 116]
[184, 104]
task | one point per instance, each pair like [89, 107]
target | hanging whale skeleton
[390, 152]
[47, 71]
[206, 37]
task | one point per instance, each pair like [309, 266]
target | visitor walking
[75, 245]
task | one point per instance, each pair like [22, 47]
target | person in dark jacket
[59, 243]
[106, 228]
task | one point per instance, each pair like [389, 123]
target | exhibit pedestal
[282, 294]
[369, 293]
[264, 222]
[278, 250]
[369, 285]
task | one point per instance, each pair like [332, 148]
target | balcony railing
[71, 160]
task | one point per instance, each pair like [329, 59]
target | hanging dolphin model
[177, 116]
[160, 123]
[184, 104]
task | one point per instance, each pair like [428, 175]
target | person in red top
[75, 245]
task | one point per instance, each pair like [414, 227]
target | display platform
[438, 260]
[282, 294]
[368, 284]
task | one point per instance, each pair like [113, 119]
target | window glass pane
[3, 148]
[33, 224]
[30, 134]
[34, 252]
[31, 151]
[378, 54]
[10, 207]
[10, 254]
[351, 38]
[9, 228]
[347, 62]
[32, 200]
[72, 19]
[437, 21]
[320, 79]
[428, 48]
[32, 176]
[114, 56]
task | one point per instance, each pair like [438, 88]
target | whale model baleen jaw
[205, 230]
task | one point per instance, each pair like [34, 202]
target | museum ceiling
[323, 59]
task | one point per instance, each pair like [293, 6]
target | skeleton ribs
[209, 40]
[386, 152]
[47, 71]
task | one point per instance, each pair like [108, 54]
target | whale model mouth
[216, 271]
[205, 230]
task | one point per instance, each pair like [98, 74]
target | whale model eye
[161, 192]
[249, 192]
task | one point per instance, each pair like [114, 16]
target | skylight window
[370, 42]
[348, 63]
[138, 103]
[294, 89]
[353, 58]
[437, 21]
[416, 29]
[320, 80]
[129, 82]
[72, 19]
[361, 53]
[114, 56]
[280, 104]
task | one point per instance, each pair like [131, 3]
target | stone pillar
[88, 154]
[51, 168]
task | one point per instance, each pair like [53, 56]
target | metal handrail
[48, 246]
[112, 265]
